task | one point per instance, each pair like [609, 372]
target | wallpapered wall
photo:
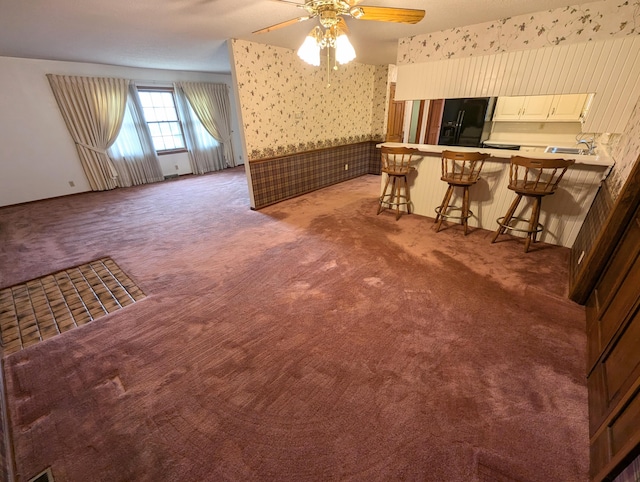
[577, 23]
[625, 152]
[288, 108]
[574, 24]
[380, 101]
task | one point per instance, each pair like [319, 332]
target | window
[162, 117]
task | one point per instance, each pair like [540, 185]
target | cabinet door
[536, 108]
[567, 107]
[508, 108]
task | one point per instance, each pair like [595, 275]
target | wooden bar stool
[396, 164]
[459, 169]
[532, 178]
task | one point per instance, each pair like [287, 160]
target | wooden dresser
[608, 284]
[613, 334]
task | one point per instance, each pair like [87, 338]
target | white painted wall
[38, 159]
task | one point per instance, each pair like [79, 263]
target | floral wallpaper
[288, 106]
[380, 101]
[625, 152]
[576, 23]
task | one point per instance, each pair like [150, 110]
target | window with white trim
[159, 107]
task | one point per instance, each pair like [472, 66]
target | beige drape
[210, 102]
[93, 109]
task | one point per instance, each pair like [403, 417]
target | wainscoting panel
[279, 178]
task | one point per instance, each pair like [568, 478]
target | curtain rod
[169, 83]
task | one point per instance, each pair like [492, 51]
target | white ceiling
[191, 34]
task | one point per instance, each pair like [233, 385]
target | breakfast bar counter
[562, 213]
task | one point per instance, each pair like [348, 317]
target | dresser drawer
[614, 373]
[614, 296]
[620, 436]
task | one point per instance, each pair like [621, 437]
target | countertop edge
[597, 160]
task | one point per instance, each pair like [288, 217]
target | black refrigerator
[463, 121]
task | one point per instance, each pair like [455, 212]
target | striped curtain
[211, 104]
[93, 109]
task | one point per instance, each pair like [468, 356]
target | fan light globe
[345, 52]
[309, 51]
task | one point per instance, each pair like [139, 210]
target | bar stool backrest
[462, 167]
[397, 160]
[536, 176]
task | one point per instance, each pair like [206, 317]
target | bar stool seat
[396, 164]
[459, 169]
[531, 178]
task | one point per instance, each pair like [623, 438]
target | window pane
[145, 99]
[155, 129]
[150, 114]
[168, 142]
[158, 114]
[165, 129]
[156, 98]
[177, 141]
[170, 114]
[175, 129]
[167, 100]
[158, 143]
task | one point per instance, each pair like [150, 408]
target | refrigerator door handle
[459, 121]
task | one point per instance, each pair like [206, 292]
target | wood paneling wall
[610, 69]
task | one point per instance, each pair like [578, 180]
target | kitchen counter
[562, 213]
[505, 154]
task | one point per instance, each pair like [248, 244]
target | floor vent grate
[45, 476]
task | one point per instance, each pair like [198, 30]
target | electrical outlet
[177, 168]
[346, 167]
[72, 184]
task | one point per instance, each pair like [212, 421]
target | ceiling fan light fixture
[345, 52]
[309, 51]
[356, 12]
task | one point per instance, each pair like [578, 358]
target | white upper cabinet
[541, 108]
[568, 107]
[508, 108]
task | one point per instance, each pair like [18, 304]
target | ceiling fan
[330, 14]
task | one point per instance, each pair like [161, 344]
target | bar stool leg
[392, 194]
[444, 206]
[507, 218]
[398, 196]
[441, 203]
[465, 208]
[533, 224]
[384, 192]
[407, 195]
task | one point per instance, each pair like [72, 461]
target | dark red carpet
[311, 340]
